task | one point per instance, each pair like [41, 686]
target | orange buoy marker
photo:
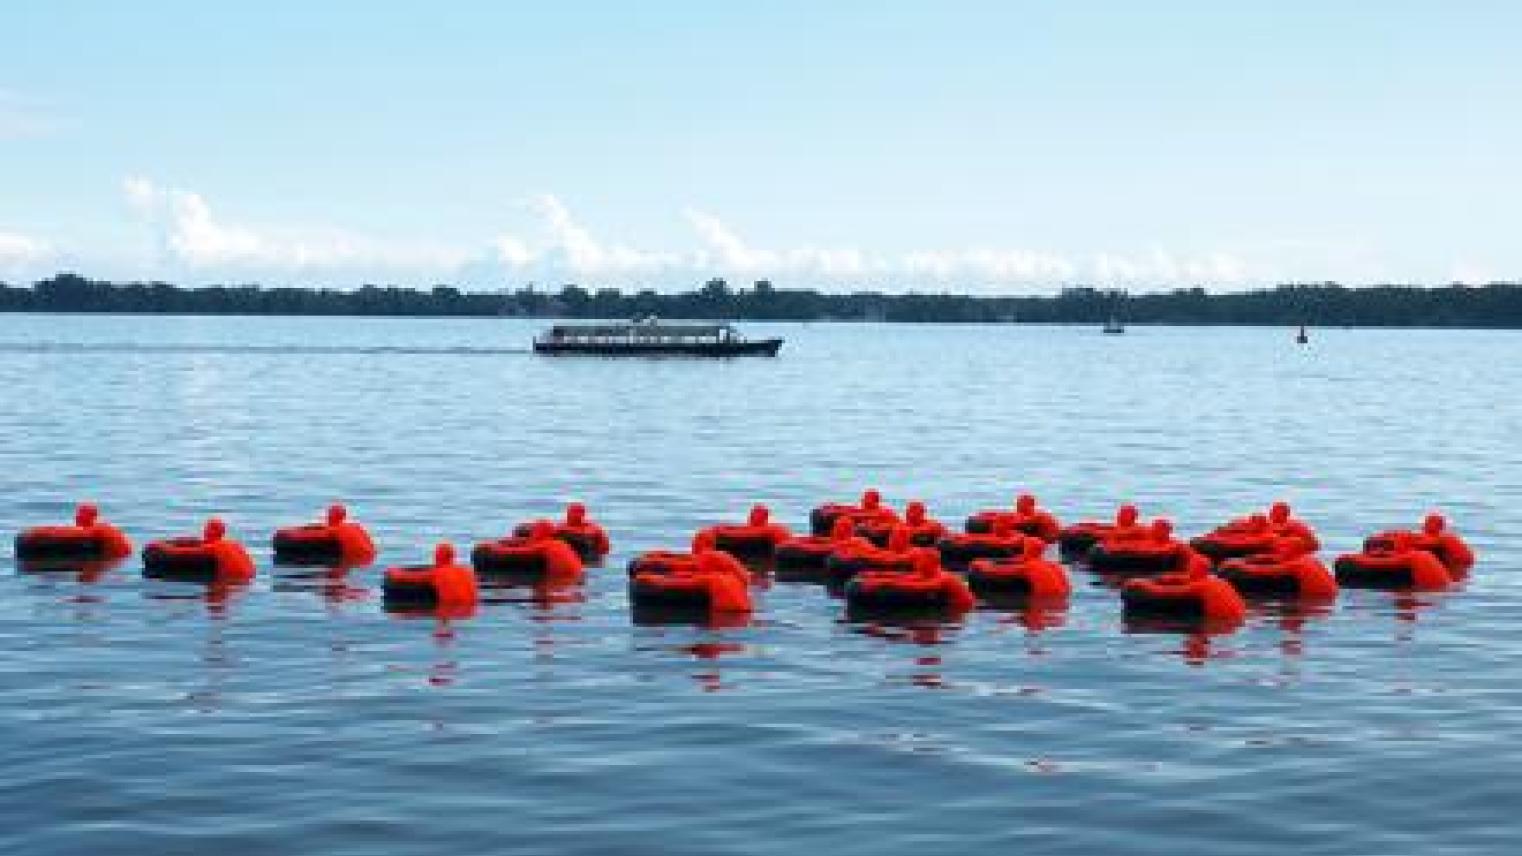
[443, 584]
[89, 539]
[1030, 575]
[335, 541]
[870, 510]
[540, 554]
[715, 582]
[1194, 594]
[1027, 518]
[812, 552]
[758, 537]
[924, 531]
[213, 557]
[928, 587]
[1395, 561]
[584, 535]
[1436, 538]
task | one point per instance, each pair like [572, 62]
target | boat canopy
[642, 330]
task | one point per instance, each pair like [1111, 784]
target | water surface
[145, 716]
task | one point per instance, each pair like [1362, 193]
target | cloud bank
[190, 241]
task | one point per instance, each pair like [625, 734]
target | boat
[650, 337]
[1302, 337]
[1113, 327]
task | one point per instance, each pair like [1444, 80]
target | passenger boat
[650, 337]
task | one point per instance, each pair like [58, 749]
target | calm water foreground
[297, 715]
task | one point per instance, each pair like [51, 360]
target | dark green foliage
[1325, 304]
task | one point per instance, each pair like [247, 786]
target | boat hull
[755, 348]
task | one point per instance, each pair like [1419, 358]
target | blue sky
[982, 146]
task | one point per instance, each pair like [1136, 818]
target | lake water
[297, 715]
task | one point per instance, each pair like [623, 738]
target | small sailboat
[1302, 337]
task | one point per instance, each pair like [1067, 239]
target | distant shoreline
[1494, 306]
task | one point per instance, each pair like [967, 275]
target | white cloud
[20, 253]
[189, 235]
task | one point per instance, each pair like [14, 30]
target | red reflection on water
[1035, 614]
[711, 680]
[1292, 617]
[332, 583]
[1198, 635]
[925, 632]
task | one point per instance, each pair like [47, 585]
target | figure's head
[871, 499]
[86, 515]
[1434, 524]
[1127, 515]
[214, 530]
[898, 539]
[1162, 529]
[914, 512]
[337, 514]
[1025, 504]
[443, 554]
[842, 529]
[759, 515]
[575, 514]
[1279, 513]
[541, 530]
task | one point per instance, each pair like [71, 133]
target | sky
[1002, 147]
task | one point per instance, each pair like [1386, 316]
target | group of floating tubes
[877, 560]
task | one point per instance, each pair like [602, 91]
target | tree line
[1325, 304]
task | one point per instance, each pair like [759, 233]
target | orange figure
[1434, 537]
[1029, 576]
[870, 511]
[927, 586]
[1154, 551]
[90, 538]
[1393, 560]
[540, 554]
[758, 537]
[584, 535]
[715, 583]
[1078, 539]
[212, 557]
[1290, 569]
[1026, 518]
[336, 541]
[857, 555]
[1191, 594]
[445, 585]
[812, 552]
[924, 531]
[1001, 541]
